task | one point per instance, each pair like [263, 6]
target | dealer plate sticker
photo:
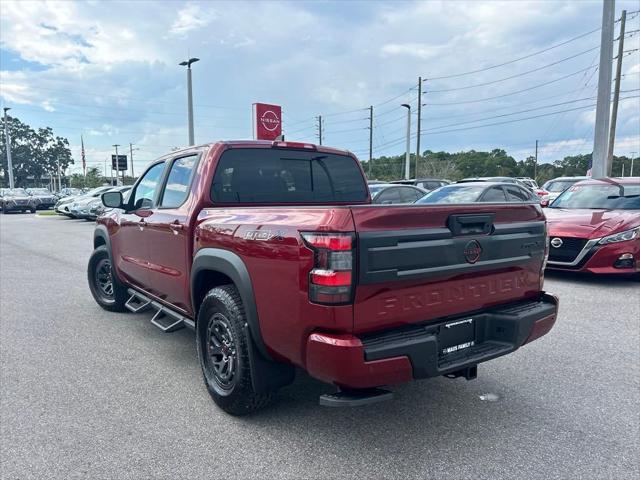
[457, 336]
[455, 348]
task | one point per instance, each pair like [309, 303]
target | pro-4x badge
[264, 235]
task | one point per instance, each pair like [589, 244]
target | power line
[516, 75]
[523, 119]
[516, 59]
[512, 113]
[514, 92]
[394, 98]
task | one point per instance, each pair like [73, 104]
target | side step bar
[165, 319]
[355, 398]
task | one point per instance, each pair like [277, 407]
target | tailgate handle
[470, 224]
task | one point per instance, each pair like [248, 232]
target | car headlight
[621, 237]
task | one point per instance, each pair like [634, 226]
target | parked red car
[594, 226]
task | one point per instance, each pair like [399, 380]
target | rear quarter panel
[268, 241]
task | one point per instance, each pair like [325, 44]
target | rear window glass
[256, 175]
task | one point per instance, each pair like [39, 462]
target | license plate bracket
[456, 336]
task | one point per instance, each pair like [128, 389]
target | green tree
[33, 152]
[93, 179]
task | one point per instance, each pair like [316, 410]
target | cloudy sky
[109, 71]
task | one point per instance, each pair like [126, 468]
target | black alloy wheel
[103, 279]
[221, 354]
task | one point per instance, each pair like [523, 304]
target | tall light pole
[116, 145]
[419, 124]
[8, 145]
[633, 154]
[407, 161]
[187, 64]
[59, 178]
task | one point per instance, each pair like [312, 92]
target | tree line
[472, 163]
[36, 153]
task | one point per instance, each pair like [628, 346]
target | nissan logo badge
[556, 242]
[472, 251]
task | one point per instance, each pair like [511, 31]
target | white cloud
[190, 18]
[418, 50]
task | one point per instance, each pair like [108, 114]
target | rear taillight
[331, 279]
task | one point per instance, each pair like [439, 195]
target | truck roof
[270, 143]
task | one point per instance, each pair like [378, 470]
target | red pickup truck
[274, 254]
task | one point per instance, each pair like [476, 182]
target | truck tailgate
[422, 262]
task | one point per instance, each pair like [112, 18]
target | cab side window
[176, 189]
[145, 193]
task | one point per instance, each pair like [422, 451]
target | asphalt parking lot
[90, 394]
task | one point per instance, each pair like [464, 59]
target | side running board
[165, 319]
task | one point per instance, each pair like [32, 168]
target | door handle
[176, 227]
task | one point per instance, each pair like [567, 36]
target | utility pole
[7, 139]
[419, 123]
[131, 155]
[616, 93]
[601, 135]
[320, 129]
[535, 165]
[633, 154]
[116, 145]
[187, 64]
[117, 164]
[407, 161]
[370, 142]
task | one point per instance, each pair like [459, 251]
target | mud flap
[267, 375]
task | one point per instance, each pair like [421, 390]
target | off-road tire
[223, 304]
[115, 302]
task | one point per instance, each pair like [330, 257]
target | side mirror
[112, 199]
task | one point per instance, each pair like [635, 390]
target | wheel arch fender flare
[231, 265]
[101, 237]
[268, 375]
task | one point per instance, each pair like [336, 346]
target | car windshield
[559, 185]
[40, 191]
[16, 192]
[454, 194]
[607, 197]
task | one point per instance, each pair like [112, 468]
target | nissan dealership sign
[267, 121]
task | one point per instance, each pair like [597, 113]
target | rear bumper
[414, 352]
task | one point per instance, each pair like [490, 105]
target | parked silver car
[64, 204]
[44, 197]
[16, 200]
